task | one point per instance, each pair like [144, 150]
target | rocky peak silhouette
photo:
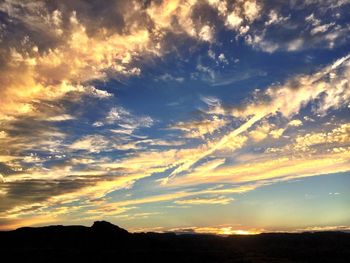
[104, 226]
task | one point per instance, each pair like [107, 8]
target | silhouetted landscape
[105, 242]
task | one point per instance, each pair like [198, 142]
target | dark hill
[106, 227]
[105, 242]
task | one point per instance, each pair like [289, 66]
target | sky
[199, 116]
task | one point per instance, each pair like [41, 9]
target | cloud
[261, 132]
[84, 179]
[318, 31]
[205, 201]
[307, 155]
[140, 165]
[251, 9]
[335, 138]
[303, 90]
[63, 117]
[275, 18]
[295, 123]
[234, 20]
[3, 135]
[222, 58]
[169, 77]
[30, 195]
[324, 228]
[206, 33]
[182, 194]
[207, 71]
[277, 133]
[70, 44]
[92, 143]
[198, 129]
[287, 100]
[283, 167]
[212, 147]
[78, 31]
[321, 28]
[126, 119]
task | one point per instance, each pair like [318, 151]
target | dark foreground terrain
[104, 242]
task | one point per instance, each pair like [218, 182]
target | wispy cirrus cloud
[205, 201]
[303, 90]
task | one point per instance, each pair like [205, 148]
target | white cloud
[251, 9]
[234, 20]
[169, 77]
[63, 117]
[321, 28]
[92, 143]
[285, 100]
[295, 44]
[312, 20]
[205, 201]
[125, 119]
[211, 54]
[206, 33]
[222, 58]
[275, 18]
[295, 123]
[207, 70]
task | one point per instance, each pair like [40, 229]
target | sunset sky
[203, 116]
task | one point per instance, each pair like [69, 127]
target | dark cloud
[20, 193]
[94, 14]
[6, 170]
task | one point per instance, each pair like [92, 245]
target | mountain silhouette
[105, 242]
[106, 227]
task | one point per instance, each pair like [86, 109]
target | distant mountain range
[105, 242]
